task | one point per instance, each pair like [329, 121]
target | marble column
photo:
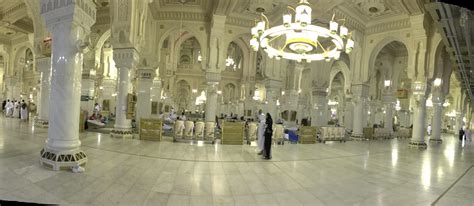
[125, 60]
[389, 102]
[360, 93]
[156, 94]
[144, 85]
[291, 97]
[348, 113]
[213, 79]
[68, 24]
[44, 66]
[419, 114]
[273, 91]
[438, 100]
[87, 91]
[319, 104]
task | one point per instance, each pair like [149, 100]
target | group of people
[15, 109]
[465, 134]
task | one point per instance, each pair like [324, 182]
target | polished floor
[133, 172]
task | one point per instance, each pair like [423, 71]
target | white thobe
[261, 130]
[24, 113]
[16, 110]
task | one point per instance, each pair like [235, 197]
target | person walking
[268, 137]
[260, 132]
[468, 135]
[461, 134]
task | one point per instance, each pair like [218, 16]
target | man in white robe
[16, 109]
[261, 130]
[24, 111]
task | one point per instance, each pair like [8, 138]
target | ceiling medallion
[299, 40]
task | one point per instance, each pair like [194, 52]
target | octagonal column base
[122, 133]
[418, 145]
[436, 140]
[62, 159]
[41, 123]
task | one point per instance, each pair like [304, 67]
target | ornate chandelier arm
[322, 47]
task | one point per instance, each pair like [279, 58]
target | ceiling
[456, 25]
[14, 20]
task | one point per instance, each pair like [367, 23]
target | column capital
[43, 64]
[146, 73]
[125, 57]
[360, 90]
[272, 83]
[213, 77]
[56, 12]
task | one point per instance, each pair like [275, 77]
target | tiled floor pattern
[133, 172]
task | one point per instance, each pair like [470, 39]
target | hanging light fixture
[302, 40]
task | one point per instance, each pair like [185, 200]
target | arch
[19, 53]
[246, 54]
[376, 50]
[201, 39]
[342, 67]
[101, 41]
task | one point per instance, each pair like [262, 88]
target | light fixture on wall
[303, 41]
[194, 91]
[256, 95]
[387, 83]
[437, 82]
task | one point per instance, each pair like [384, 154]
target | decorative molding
[186, 16]
[350, 20]
[213, 77]
[389, 26]
[234, 21]
[59, 11]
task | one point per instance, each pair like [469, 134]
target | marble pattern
[134, 172]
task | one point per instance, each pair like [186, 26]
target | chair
[199, 130]
[178, 128]
[209, 130]
[188, 129]
[252, 131]
[278, 131]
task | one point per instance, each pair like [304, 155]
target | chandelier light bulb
[254, 31]
[333, 27]
[343, 31]
[261, 26]
[287, 20]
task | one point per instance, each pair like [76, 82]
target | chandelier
[297, 39]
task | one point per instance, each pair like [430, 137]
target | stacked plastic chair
[199, 130]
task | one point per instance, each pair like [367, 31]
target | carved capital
[125, 58]
[67, 11]
[145, 73]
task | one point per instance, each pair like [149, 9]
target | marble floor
[133, 172]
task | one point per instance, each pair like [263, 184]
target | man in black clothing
[461, 134]
[268, 137]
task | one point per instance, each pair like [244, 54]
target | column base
[418, 145]
[41, 123]
[62, 159]
[357, 137]
[122, 133]
[436, 140]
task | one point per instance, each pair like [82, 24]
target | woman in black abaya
[268, 137]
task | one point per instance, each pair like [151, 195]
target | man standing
[260, 132]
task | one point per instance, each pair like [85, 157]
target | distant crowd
[18, 109]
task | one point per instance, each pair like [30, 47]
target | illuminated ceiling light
[297, 39]
[387, 83]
